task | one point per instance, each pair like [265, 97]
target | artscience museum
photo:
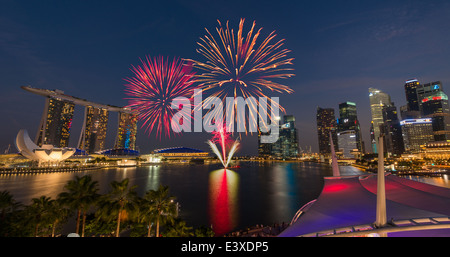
[45, 155]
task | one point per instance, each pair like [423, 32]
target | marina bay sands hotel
[56, 122]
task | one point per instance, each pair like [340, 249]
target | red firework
[154, 86]
[221, 137]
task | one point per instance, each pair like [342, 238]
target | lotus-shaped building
[44, 154]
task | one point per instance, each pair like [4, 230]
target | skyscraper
[287, 144]
[93, 133]
[57, 117]
[378, 100]
[126, 132]
[372, 138]
[347, 143]
[326, 124]
[412, 101]
[348, 121]
[436, 107]
[393, 132]
[56, 121]
[424, 91]
[416, 132]
[288, 138]
[264, 149]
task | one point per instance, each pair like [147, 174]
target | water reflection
[153, 178]
[283, 189]
[442, 181]
[223, 196]
[257, 193]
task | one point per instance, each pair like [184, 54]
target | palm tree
[6, 203]
[203, 231]
[179, 228]
[39, 210]
[119, 201]
[146, 212]
[8, 208]
[163, 204]
[58, 214]
[81, 195]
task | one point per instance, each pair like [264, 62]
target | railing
[392, 226]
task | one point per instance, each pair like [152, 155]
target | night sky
[341, 48]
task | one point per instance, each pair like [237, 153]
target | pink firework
[221, 137]
[154, 86]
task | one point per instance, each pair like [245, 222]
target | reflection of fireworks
[155, 84]
[237, 66]
[223, 197]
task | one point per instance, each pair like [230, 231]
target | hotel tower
[56, 122]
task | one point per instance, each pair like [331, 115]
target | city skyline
[346, 50]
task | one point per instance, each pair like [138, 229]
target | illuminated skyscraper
[416, 133]
[412, 101]
[427, 91]
[57, 117]
[347, 143]
[373, 142]
[326, 123]
[264, 149]
[287, 144]
[126, 132]
[378, 100]
[393, 138]
[93, 133]
[288, 138]
[434, 104]
[56, 121]
[348, 121]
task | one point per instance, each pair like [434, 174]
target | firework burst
[222, 137]
[154, 86]
[238, 66]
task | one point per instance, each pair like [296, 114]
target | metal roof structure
[347, 207]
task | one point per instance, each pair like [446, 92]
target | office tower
[287, 144]
[326, 124]
[436, 106]
[56, 121]
[347, 116]
[93, 133]
[378, 100]
[348, 144]
[288, 139]
[264, 149]
[424, 91]
[430, 101]
[392, 130]
[406, 115]
[348, 120]
[373, 142]
[416, 133]
[126, 131]
[412, 101]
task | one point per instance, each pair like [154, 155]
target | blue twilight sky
[341, 48]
